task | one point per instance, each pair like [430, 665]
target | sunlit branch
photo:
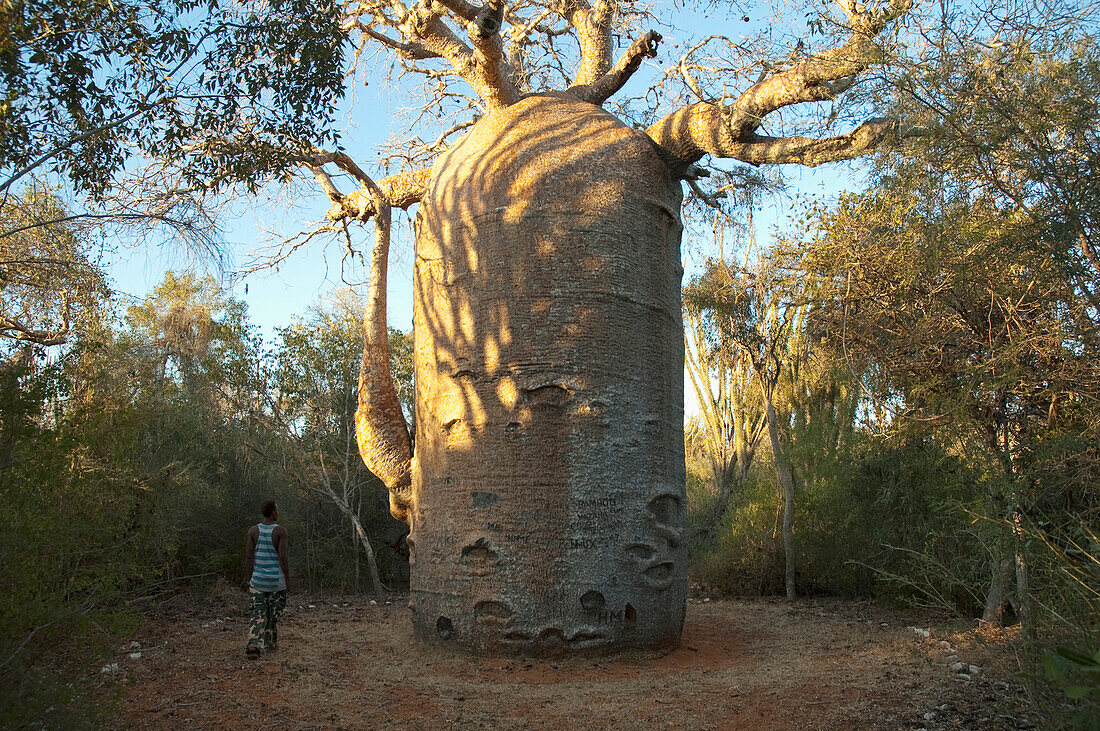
[761, 150]
[724, 130]
[13, 329]
[593, 24]
[482, 67]
[602, 89]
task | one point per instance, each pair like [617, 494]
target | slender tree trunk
[1025, 605]
[355, 548]
[1014, 563]
[999, 592]
[785, 477]
[364, 541]
[372, 565]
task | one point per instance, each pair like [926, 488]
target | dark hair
[268, 508]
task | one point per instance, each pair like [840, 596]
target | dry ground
[756, 664]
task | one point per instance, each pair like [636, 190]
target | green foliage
[227, 91]
[747, 557]
[50, 285]
[1077, 674]
[943, 427]
[889, 520]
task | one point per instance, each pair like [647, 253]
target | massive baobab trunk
[545, 493]
[548, 481]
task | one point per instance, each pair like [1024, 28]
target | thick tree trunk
[355, 546]
[548, 480]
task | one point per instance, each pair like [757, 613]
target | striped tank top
[267, 574]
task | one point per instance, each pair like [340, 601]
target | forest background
[897, 389]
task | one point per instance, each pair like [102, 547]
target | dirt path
[743, 664]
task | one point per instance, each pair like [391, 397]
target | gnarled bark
[380, 428]
[400, 191]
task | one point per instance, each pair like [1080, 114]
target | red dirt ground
[744, 664]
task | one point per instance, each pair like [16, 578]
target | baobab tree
[546, 492]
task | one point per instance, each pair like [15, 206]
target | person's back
[269, 577]
[267, 574]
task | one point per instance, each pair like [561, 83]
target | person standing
[266, 559]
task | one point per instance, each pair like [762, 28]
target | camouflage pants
[264, 609]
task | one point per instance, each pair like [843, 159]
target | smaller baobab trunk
[380, 427]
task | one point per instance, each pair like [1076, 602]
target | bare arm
[250, 551]
[279, 538]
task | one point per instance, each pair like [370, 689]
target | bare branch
[289, 246]
[15, 330]
[412, 51]
[349, 166]
[593, 24]
[327, 185]
[761, 150]
[401, 190]
[463, 9]
[724, 130]
[613, 80]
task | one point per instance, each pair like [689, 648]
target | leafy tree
[1014, 120]
[89, 84]
[977, 327]
[732, 420]
[50, 284]
[755, 315]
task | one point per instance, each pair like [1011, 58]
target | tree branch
[593, 24]
[603, 88]
[411, 51]
[808, 151]
[13, 329]
[401, 190]
[724, 129]
[482, 66]
[463, 9]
